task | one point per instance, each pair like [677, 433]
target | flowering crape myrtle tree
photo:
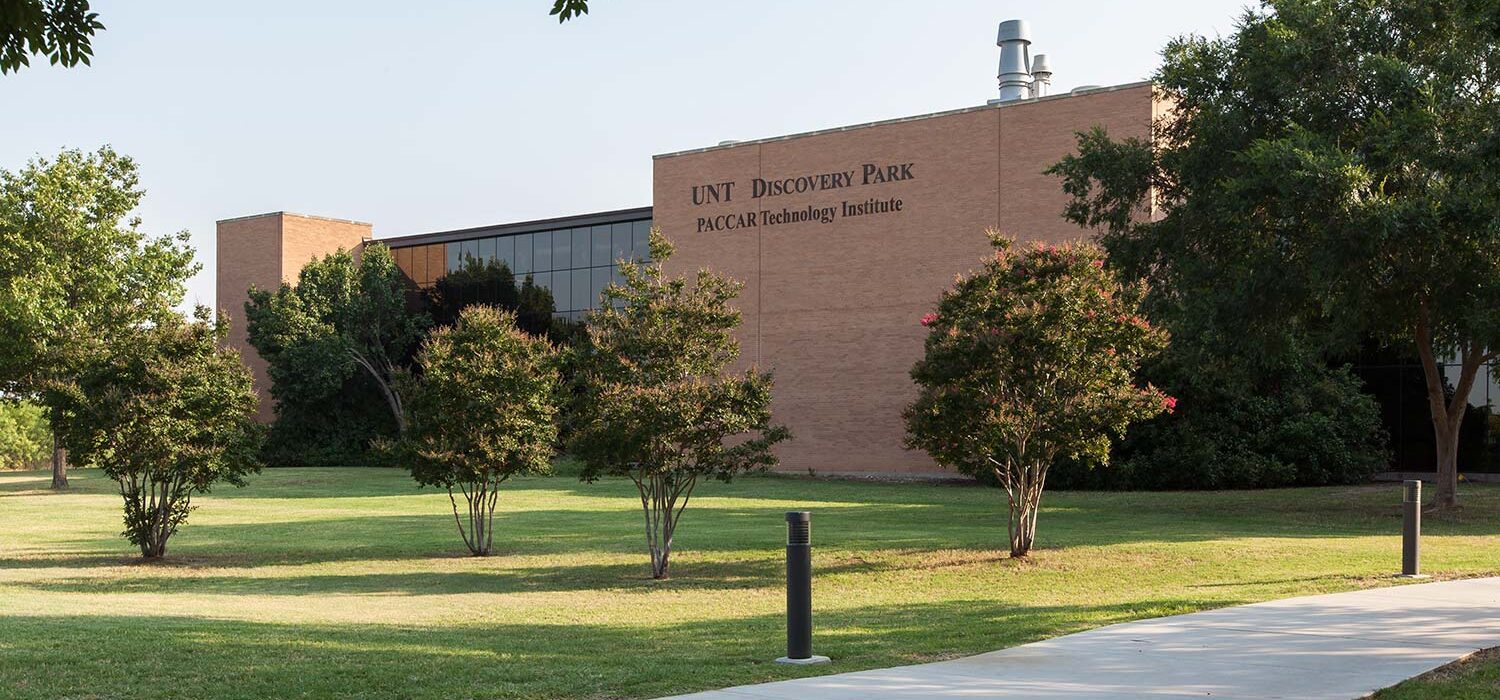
[482, 411]
[165, 412]
[1031, 359]
[660, 408]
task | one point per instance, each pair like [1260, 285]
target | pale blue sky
[423, 116]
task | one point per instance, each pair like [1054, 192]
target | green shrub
[25, 437]
[1316, 428]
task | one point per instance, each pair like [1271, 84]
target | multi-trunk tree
[75, 269]
[1030, 359]
[344, 317]
[166, 412]
[660, 406]
[1343, 151]
[482, 410]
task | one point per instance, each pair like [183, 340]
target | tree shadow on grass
[182, 657]
[907, 533]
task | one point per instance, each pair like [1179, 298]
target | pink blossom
[929, 319]
[1169, 403]
[1097, 263]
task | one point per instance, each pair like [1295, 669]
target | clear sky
[425, 116]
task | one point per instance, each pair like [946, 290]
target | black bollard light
[799, 591]
[1411, 529]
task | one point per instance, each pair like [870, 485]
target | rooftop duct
[1041, 75]
[1014, 41]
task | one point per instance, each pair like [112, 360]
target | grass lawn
[354, 583]
[1474, 678]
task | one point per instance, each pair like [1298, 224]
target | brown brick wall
[263, 251]
[832, 308]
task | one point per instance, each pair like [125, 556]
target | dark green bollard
[799, 590]
[1411, 529]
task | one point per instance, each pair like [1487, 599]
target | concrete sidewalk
[1338, 646]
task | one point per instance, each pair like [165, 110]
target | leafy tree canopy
[61, 30]
[491, 283]
[343, 317]
[166, 412]
[75, 269]
[662, 408]
[482, 410]
[1336, 165]
[1030, 359]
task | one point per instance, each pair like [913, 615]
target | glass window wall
[574, 264]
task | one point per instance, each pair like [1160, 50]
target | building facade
[842, 237]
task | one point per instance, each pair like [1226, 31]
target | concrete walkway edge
[1339, 646]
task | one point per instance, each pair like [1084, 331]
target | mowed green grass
[1474, 678]
[354, 583]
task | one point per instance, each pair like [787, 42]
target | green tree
[24, 434]
[661, 408]
[343, 317]
[1339, 158]
[482, 410]
[167, 413]
[1028, 360]
[491, 283]
[61, 30]
[75, 269]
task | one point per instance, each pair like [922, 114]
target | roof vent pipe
[1041, 74]
[1014, 41]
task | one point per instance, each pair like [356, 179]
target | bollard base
[1413, 575]
[809, 661]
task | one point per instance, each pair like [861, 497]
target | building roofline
[292, 213]
[592, 219]
[1076, 92]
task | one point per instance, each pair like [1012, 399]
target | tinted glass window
[640, 236]
[562, 290]
[542, 241]
[542, 279]
[470, 251]
[562, 247]
[523, 253]
[601, 280]
[419, 263]
[452, 258]
[505, 251]
[486, 249]
[581, 247]
[620, 235]
[601, 245]
[582, 286]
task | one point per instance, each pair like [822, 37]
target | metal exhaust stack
[1041, 75]
[1014, 41]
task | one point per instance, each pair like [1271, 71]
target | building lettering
[763, 188]
[808, 214]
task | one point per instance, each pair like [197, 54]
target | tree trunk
[59, 464]
[1023, 486]
[663, 498]
[392, 397]
[481, 498]
[1447, 414]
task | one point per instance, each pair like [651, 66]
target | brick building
[843, 237]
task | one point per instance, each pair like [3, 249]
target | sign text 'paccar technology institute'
[762, 189]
